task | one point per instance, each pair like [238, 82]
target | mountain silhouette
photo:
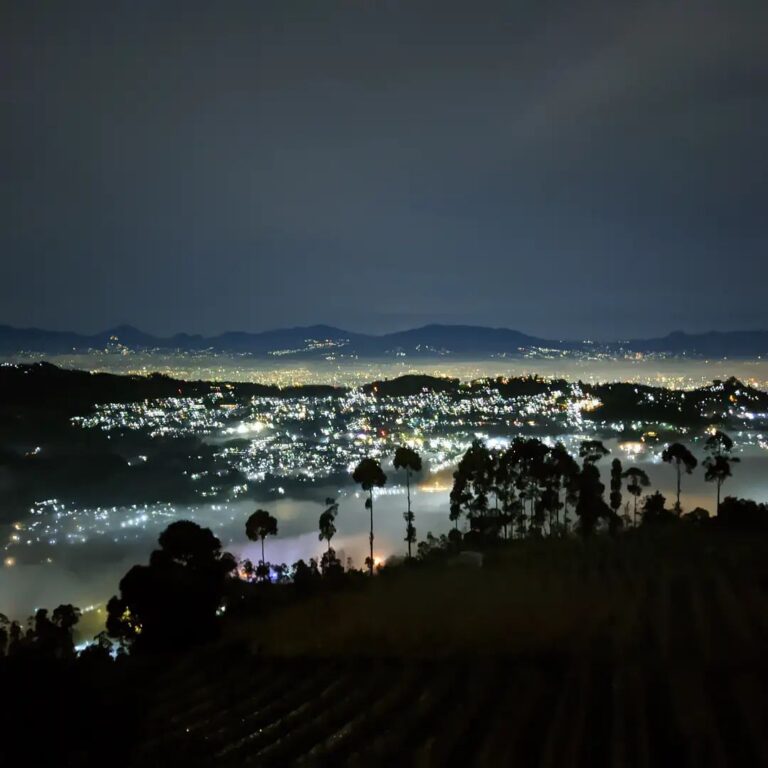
[317, 341]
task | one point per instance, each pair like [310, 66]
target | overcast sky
[564, 168]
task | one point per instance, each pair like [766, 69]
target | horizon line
[497, 328]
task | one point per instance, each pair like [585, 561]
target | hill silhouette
[429, 340]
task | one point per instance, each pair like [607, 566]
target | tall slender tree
[369, 475]
[471, 485]
[638, 479]
[530, 457]
[260, 525]
[327, 522]
[683, 459]
[718, 462]
[615, 497]
[591, 506]
[506, 488]
[407, 459]
[567, 470]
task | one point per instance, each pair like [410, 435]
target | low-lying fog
[670, 371]
[88, 573]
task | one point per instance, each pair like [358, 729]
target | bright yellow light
[434, 487]
[9, 562]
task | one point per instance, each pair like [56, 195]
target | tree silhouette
[64, 618]
[616, 477]
[697, 516]
[472, 483]
[655, 510]
[743, 514]
[591, 451]
[459, 498]
[638, 479]
[591, 507]
[469, 494]
[497, 483]
[172, 602]
[331, 567]
[529, 457]
[567, 469]
[505, 487]
[327, 524]
[305, 576]
[549, 501]
[407, 459]
[4, 624]
[98, 652]
[49, 636]
[15, 638]
[718, 463]
[260, 525]
[248, 569]
[369, 475]
[682, 458]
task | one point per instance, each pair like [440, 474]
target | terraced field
[385, 713]
[674, 672]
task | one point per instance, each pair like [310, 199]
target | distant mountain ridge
[322, 340]
[710, 344]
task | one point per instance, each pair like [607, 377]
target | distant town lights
[245, 428]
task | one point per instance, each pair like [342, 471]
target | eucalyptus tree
[407, 459]
[718, 462]
[549, 504]
[506, 488]
[530, 456]
[496, 481]
[566, 470]
[369, 475]
[572, 495]
[260, 525]
[329, 563]
[683, 459]
[615, 497]
[591, 451]
[638, 479]
[591, 507]
[459, 498]
[327, 523]
[471, 484]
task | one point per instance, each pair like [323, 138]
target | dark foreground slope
[644, 651]
[640, 652]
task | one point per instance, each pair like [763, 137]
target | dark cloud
[565, 168]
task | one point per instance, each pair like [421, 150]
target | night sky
[567, 169]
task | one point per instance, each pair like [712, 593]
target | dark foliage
[741, 515]
[172, 602]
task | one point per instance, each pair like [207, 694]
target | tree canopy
[173, 601]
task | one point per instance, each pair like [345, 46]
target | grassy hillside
[639, 652]
[667, 593]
